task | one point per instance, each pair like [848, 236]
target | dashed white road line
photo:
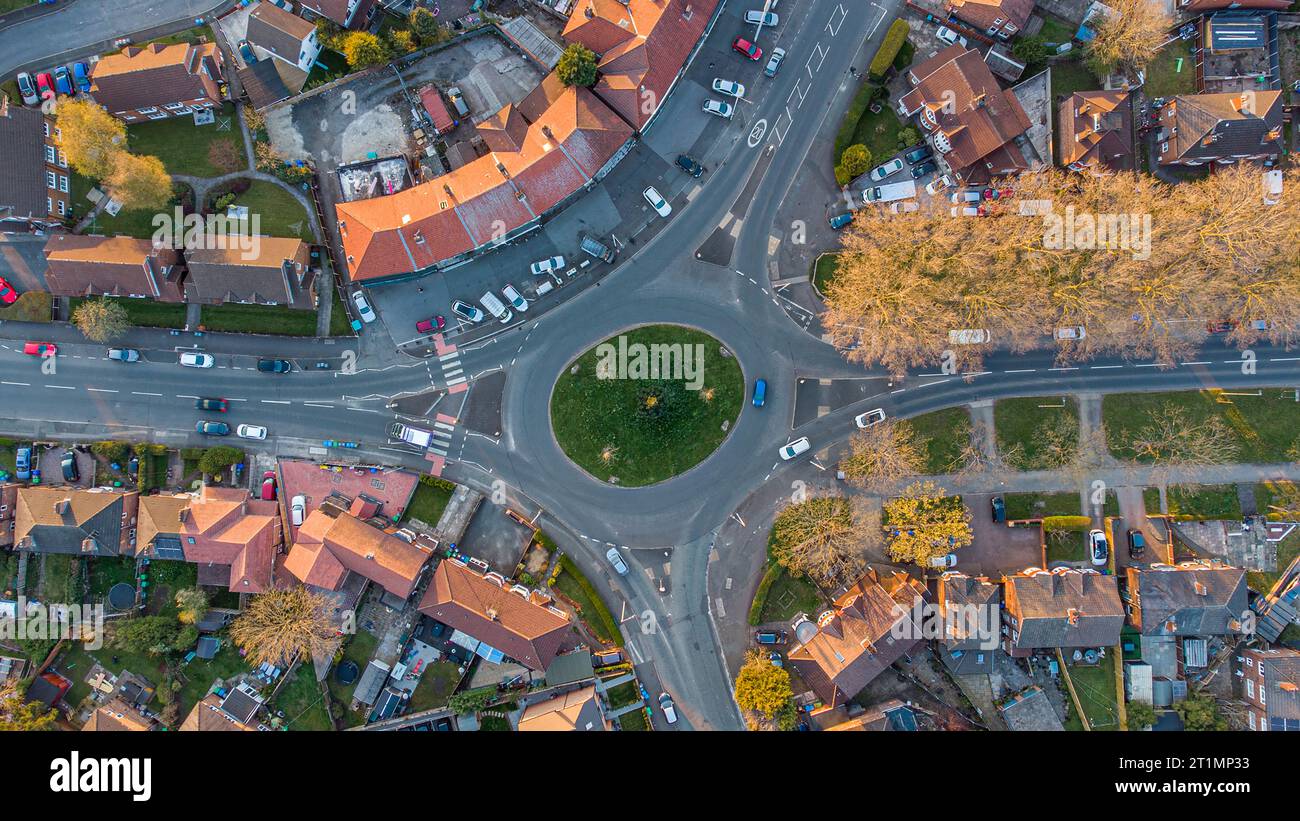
[144, 393]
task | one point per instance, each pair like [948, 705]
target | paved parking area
[392, 488]
[50, 463]
[996, 548]
[495, 538]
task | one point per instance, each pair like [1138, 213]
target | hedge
[894, 39]
[773, 573]
[434, 481]
[1077, 524]
[849, 125]
[602, 612]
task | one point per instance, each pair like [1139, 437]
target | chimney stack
[1073, 615]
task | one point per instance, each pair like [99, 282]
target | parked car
[771, 637]
[1097, 547]
[268, 486]
[658, 203]
[45, 83]
[297, 509]
[743, 46]
[41, 349]
[274, 365]
[729, 87]
[212, 428]
[616, 559]
[81, 77]
[689, 165]
[1137, 544]
[886, 169]
[23, 463]
[775, 659]
[1070, 332]
[123, 355]
[217, 405]
[193, 359]
[513, 297]
[466, 311]
[430, 325]
[545, 266]
[27, 88]
[246, 52]
[667, 707]
[999, 507]
[251, 432]
[363, 307]
[8, 295]
[938, 184]
[969, 195]
[1221, 326]
[950, 37]
[927, 167]
[765, 18]
[774, 62]
[968, 336]
[718, 109]
[916, 155]
[871, 417]
[69, 464]
[793, 449]
[63, 81]
[965, 211]
[904, 207]
[944, 562]
[838, 221]
[760, 392]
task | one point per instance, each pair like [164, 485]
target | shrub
[905, 55]
[889, 48]
[434, 481]
[856, 109]
[773, 573]
[602, 613]
[1073, 524]
[856, 160]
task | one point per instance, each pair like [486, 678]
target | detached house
[1095, 131]
[1197, 129]
[1063, 608]
[159, 81]
[231, 537]
[996, 18]
[1270, 680]
[284, 36]
[34, 179]
[975, 126]
[80, 266]
[276, 271]
[1193, 599]
[578, 710]
[76, 522]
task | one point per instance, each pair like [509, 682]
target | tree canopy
[824, 538]
[762, 687]
[577, 66]
[923, 522]
[1126, 38]
[282, 624]
[100, 320]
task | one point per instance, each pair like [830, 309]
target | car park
[45, 83]
[274, 365]
[615, 559]
[938, 184]
[193, 359]
[839, 221]
[81, 77]
[212, 428]
[217, 405]
[513, 297]
[1071, 332]
[63, 81]
[870, 418]
[667, 707]
[718, 109]
[23, 463]
[916, 155]
[251, 432]
[774, 62]
[729, 87]
[123, 355]
[268, 486]
[8, 295]
[950, 37]
[927, 167]
[1137, 545]
[765, 18]
[658, 203]
[69, 465]
[943, 562]
[689, 165]
[466, 311]
[999, 508]
[297, 509]
[42, 349]
[760, 392]
[430, 325]
[886, 169]
[363, 307]
[1097, 548]
[793, 449]
[27, 88]
[495, 307]
[743, 46]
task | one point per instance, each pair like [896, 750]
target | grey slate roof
[1211, 126]
[1192, 601]
[1072, 609]
[1030, 710]
[1282, 677]
[22, 174]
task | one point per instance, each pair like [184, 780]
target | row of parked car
[25, 472]
[62, 80]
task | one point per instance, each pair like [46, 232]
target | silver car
[615, 559]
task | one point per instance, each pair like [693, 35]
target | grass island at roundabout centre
[640, 407]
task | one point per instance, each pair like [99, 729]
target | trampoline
[346, 673]
[121, 596]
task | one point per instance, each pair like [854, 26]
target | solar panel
[168, 548]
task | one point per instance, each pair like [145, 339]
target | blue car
[63, 81]
[81, 77]
[760, 392]
[840, 220]
[23, 464]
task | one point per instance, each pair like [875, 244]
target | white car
[545, 266]
[516, 301]
[615, 559]
[466, 311]
[767, 18]
[967, 211]
[881, 171]
[667, 707]
[938, 184]
[658, 203]
[904, 207]
[969, 195]
[871, 417]
[944, 562]
[968, 336]
[197, 360]
[298, 510]
[949, 36]
[27, 89]
[731, 87]
[1098, 550]
[250, 432]
[793, 449]
[719, 109]
[1070, 332]
[363, 307]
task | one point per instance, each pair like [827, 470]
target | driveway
[996, 549]
[22, 262]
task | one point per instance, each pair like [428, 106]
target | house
[210, 715]
[267, 82]
[1271, 685]
[1095, 132]
[1193, 599]
[1003, 19]
[283, 36]
[643, 46]
[1198, 129]
[500, 621]
[574, 710]
[1063, 608]
[158, 81]
[8, 509]
[117, 716]
[1030, 711]
[76, 522]
[81, 265]
[974, 125]
[970, 609]
[48, 688]
[332, 543]
[275, 271]
[858, 639]
[34, 182]
[232, 537]
[889, 716]
[1201, 6]
[350, 14]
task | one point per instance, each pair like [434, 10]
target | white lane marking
[1022, 370]
[185, 396]
[144, 393]
[275, 401]
[1103, 367]
[18, 384]
[1274, 359]
[314, 405]
[1063, 369]
[62, 387]
[101, 390]
[1194, 363]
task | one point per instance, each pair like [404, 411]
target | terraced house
[159, 81]
[81, 266]
[1064, 608]
[34, 182]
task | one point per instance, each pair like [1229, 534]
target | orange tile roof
[349, 544]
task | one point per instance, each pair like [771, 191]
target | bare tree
[825, 538]
[1171, 438]
[1128, 36]
[281, 624]
[883, 455]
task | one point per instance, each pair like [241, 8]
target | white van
[968, 336]
[414, 436]
[493, 305]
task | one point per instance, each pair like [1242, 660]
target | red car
[433, 323]
[268, 486]
[747, 48]
[40, 349]
[46, 85]
[1222, 326]
[8, 295]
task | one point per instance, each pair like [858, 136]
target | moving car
[615, 559]
[8, 295]
[1137, 544]
[743, 46]
[251, 432]
[123, 355]
[433, 323]
[999, 507]
[42, 349]
[774, 62]
[274, 365]
[718, 109]
[838, 221]
[944, 562]
[689, 165]
[363, 307]
[545, 266]
[212, 428]
[466, 311]
[1097, 548]
[793, 449]
[771, 637]
[45, 83]
[218, 405]
[658, 203]
[268, 486]
[297, 509]
[496, 308]
[23, 463]
[63, 80]
[949, 36]
[1071, 332]
[968, 336]
[916, 155]
[81, 77]
[27, 88]
[516, 301]
[886, 169]
[730, 87]
[765, 18]
[760, 392]
[193, 359]
[667, 707]
[927, 167]
[871, 417]
[69, 464]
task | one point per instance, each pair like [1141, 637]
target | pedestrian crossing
[443, 428]
[452, 370]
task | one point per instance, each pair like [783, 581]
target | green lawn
[127, 223]
[1266, 426]
[279, 213]
[32, 306]
[1071, 76]
[358, 650]
[790, 596]
[329, 66]
[14, 5]
[1163, 77]
[623, 695]
[183, 147]
[106, 572]
[427, 503]
[1039, 505]
[302, 702]
[258, 319]
[494, 724]
[879, 132]
[1056, 31]
[1066, 546]
[437, 683]
[634, 721]
[593, 612]
[639, 431]
[1095, 687]
[1027, 421]
[145, 313]
[1204, 501]
[340, 323]
[824, 271]
[946, 432]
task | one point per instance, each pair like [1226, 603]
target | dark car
[927, 167]
[212, 428]
[218, 405]
[771, 637]
[838, 221]
[81, 77]
[274, 365]
[917, 154]
[69, 464]
[689, 165]
[1137, 545]
[999, 509]
[743, 46]
[1222, 326]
